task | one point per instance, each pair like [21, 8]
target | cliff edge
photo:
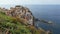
[17, 20]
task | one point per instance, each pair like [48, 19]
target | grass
[14, 26]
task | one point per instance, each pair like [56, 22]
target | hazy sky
[29, 2]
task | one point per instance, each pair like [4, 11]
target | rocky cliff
[20, 12]
[17, 20]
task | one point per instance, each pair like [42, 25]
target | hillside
[10, 25]
[18, 20]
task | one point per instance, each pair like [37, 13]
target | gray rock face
[21, 12]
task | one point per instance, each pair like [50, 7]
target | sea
[45, 12]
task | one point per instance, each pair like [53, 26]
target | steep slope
[12, 22]
[10, 25]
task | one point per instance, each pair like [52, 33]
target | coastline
[32, 27]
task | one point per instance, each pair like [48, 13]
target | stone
[20, 12]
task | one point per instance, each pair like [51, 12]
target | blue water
[46, 12]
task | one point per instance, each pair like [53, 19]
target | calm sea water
[46, 12]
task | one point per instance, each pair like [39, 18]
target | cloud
[50, 1]
[19, 1]
[29, 2]
[9, 1]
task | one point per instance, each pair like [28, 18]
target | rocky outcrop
[20, 12]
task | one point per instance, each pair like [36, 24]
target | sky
[29, 2]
